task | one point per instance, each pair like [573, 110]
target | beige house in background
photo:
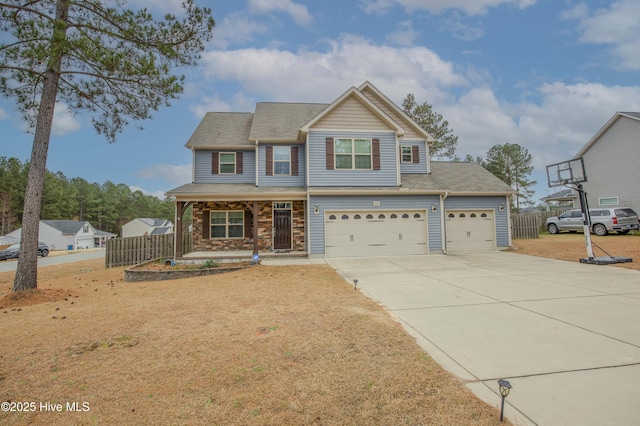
[147, 226]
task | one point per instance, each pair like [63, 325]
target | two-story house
[350, 178]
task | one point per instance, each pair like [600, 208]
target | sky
[543, 74]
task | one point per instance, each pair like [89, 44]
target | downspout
[257, 163]
[398, 160]
[306, 160]
[307, 234]
[443, 226]
[193, 165]
[508, 208]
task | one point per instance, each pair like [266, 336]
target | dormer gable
[413, 129]
[352, 110]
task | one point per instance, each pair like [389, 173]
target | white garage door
[470, 230]
[375, 233]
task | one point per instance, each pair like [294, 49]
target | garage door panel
[470, 230]
[375, 233]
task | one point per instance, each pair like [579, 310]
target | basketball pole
[586, 219]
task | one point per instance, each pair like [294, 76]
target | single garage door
[375, 233]
[470, 230]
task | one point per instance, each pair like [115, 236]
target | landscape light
[505, 388]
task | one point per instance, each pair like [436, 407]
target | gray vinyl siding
[281, 180]
[612, 163]
[415, 168]
[315, 226]
[486, 203]
[203, 169]
[320, 176]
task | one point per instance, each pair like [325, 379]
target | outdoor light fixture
[434, 208]
[505, 388]
[316, 209]
[501, 208]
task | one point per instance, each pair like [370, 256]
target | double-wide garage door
[470, 230]
[375, 233]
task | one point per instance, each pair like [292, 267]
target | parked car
[11, 252]
[603, 220]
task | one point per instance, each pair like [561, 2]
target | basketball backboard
[566, 172]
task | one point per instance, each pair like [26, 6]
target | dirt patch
[263, 345]
[573, 247]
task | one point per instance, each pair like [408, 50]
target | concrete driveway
[566, 335]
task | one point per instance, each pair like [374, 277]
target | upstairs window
[407, 154]
[227, 163]
[281, 160]
[353, 154]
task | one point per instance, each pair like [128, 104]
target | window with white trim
[227, 224]
[353, 154]
[281, 160]
[227, 163]
[608, 201]
[407, 153]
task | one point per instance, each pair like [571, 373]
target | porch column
[255, 208]
[181, 206]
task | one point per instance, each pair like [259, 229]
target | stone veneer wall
[265, 220]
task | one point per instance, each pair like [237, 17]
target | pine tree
[98, 57]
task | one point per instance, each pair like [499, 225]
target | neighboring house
[147, 226]
[350, 178]
[563, 198]
[611, 163]
[9, 239]
[69, 234]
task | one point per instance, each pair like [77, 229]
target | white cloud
[474, 7]
[617, 26]
[215, 103]
[312, 76]
[3, 114]
[158, 194]
[405, 35]
[455, 26]
[553, 129]
[299, 13]
[171, 173]
[236, 28]
[64, 121]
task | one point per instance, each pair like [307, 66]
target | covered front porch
[232, 228]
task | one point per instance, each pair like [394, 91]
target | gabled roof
[161, 230]
[563, 195]
[153, 221]
[616, 116]
[354, 92]
[415, 126]
[222, 129]
[281, 121]
[69, 227]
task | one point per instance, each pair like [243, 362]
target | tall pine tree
[95, 56]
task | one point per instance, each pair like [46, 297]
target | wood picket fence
[134, 250]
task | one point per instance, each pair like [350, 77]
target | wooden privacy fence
[134, 250]
[525, 226]
[529, 225]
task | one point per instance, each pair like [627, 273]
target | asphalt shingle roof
[222, 129]
[66, 226]
[282, 121]
[454, 177]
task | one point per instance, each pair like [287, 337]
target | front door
[282, 229]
